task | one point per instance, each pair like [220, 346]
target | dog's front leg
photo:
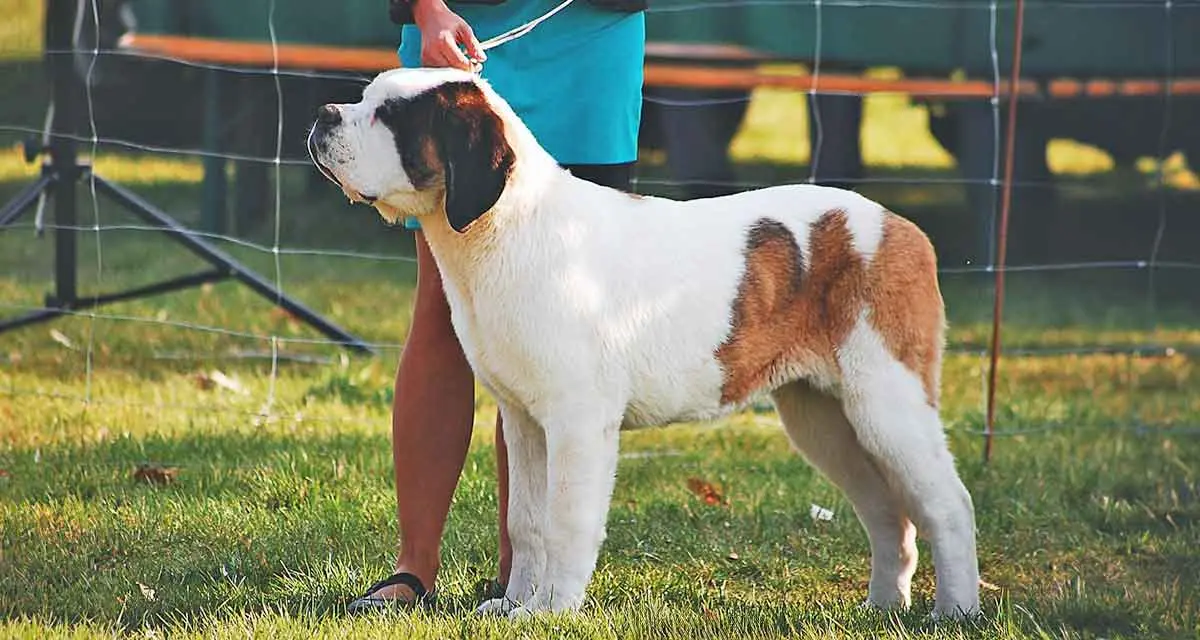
[581, 465]
[526, 445]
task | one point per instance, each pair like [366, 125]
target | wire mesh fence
[190, 129]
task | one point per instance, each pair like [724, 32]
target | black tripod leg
[224, 261]
[33, 317]
[26, 197]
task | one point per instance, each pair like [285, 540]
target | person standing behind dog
[576, 81]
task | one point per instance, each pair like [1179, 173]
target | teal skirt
[575, 79]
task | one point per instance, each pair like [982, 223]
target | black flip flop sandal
[369, 602]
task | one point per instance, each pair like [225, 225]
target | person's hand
[443, 36]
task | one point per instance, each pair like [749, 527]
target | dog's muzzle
[328, 117]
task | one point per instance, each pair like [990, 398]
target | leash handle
[516, 32]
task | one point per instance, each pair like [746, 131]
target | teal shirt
[575, 79]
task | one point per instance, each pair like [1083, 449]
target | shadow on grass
[297, 523]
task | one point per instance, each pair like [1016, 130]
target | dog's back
[694, 307]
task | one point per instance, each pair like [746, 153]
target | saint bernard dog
[585, 310]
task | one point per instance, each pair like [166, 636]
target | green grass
[282, 507]
[282, 510]
[282, 503]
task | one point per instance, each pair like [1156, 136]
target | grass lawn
[199, 464]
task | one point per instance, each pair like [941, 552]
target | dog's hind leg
[898, 425]
[526, 445]
[582, 449]
[819, 429]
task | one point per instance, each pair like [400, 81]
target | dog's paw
[521, 613]
[955, 613]
[497, 607]
[884, 604]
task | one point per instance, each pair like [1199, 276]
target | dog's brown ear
[453, 131]
[476, 158]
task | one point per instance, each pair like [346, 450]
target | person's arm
[444, 34]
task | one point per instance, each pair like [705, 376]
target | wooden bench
[700, 66]
[696, 66]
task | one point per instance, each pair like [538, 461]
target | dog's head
[420, 141]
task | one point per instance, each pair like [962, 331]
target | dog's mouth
[352, 194]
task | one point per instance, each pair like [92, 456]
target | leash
[516, 32]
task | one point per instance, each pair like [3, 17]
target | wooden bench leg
[256, 132]
[213, 187]
[838, 161]
[698, 126]
[1033, 195]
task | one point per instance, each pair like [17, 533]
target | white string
[990, 260]
[178, 151]
[1160, 184]
[1060, 266]
[278, 147]
[266, 411]
[241, 69]
[1164, 132]
[300, 418]
[192, 407]
[186, 151]
[819, 131]
[390, 346]
[995, 102]
[240, 242]
[193, 326]
[871, 180]
[517, 32]
[91, 341]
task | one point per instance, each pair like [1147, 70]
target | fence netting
[1099, 222]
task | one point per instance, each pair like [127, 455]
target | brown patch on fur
[792, 316]
[788, 314]
[906, 302]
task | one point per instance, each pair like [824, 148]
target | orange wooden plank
[262, 54]
[709, 78]
[374, 60]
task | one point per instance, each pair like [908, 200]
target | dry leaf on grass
[214, 378]
[204, 382]
[155, 474]
[61, 338]
[706, 491]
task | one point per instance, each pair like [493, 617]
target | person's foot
[399, 590]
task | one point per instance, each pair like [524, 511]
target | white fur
[585, 311]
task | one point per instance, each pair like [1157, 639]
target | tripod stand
[60, 173]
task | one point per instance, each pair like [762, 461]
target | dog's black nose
[329, 115]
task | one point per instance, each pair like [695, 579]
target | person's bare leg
[432, 419]
[502, 476]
